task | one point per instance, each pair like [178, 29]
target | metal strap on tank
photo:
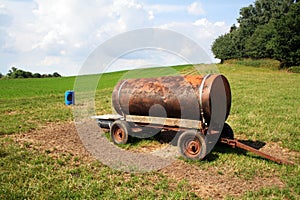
[119, 91]
[200, 96]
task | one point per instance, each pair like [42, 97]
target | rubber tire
[227, 132]
[188, 139]
[120, 137]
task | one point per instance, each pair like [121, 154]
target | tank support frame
[175, 124]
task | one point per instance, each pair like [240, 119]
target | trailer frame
[191, 142]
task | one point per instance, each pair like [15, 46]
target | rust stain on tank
[177, 95]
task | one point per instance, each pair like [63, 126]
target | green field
[265, 108]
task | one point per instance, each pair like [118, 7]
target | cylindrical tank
[186, 97]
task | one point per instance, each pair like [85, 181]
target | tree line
[267, 29]
[19, 73]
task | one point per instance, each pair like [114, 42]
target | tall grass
[265, 63]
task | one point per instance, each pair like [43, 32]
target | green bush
[264, 63]
[294, 69]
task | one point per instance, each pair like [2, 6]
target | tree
[55, 74]
[18, 73]
[27, 74]
[228, 46]
[256, 17]
[223, 47]
[233, 28]
[267, 29]
[260, 43]
[11, 71]
[1, 75]
[37, 75]
[287, 38]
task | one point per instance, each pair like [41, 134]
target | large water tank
[186, 97]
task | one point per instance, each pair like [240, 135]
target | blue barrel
[69, 97]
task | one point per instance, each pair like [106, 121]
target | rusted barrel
[185, 97]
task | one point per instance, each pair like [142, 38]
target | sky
[46, 36]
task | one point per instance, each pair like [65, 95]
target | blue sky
[49, 36]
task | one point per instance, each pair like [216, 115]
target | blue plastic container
[69, 97]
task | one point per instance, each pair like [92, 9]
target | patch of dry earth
[57, 139]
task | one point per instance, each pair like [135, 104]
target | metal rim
[192, 147]
[119, 134]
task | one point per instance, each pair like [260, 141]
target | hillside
[41, 155]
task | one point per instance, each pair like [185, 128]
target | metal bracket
[200, 98]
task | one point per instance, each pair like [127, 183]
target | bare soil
[56, 140]
[61, 139]
[210, 184]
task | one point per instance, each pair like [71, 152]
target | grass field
[265, 107]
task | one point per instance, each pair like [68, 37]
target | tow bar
[235, 143]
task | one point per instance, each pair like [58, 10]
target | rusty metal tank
[192, 97]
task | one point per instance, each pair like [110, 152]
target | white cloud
[220, 24]
[68, 28]
[202, 31]
[202, 22]
[50, 61]
[196, 8]
[46, 34]
[151, 15]
[164, 8]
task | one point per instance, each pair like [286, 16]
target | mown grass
[27, 104]
[31, 175]
[265, 107]
[265, 104]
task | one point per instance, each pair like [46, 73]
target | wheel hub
[193, 148]
[119, 135]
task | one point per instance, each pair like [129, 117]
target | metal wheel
[192, 145]
[119, 132]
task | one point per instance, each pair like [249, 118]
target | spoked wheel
[192, 145]
[119, 132]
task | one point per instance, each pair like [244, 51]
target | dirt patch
[14, 112]
[276, 150]
[58, 139]
[211, 184]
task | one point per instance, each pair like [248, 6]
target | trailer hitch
[235, 143]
